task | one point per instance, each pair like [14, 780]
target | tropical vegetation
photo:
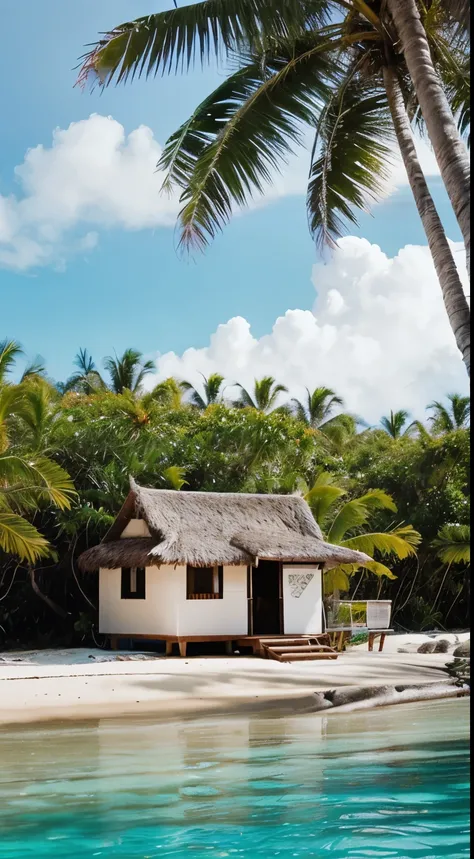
[67, 451]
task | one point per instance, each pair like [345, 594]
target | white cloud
[94, 177]
[378, 334]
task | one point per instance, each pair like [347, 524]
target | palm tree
[346, 80]
[317, 408]
[345, 524]
[452, 417]
[263, 397]
[38, 411]
[212, 392]
[128, 371]
[87, 380]
[395, 424]
[316, 412]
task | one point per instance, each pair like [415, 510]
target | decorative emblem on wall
[299, 582]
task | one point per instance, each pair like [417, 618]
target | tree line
[398, 491]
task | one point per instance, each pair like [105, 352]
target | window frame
[133, 583]
[217, 573]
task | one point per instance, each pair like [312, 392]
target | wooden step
[269, 642]
[298, 657]
[299, 648]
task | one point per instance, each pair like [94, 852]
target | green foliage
[344, 523]
[453, 544]
[361, 492]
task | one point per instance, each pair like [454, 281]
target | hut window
[133, 583]
[204, 583]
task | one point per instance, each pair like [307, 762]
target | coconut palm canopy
[207, 528]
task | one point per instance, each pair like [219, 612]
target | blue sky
[130, 288]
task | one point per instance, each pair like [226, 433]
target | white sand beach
[84, 684]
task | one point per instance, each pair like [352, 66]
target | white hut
[203, 566]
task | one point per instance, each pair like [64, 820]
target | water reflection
[354, 785]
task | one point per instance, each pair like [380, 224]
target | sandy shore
[84, 684]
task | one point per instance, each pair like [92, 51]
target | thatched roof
[207, 528]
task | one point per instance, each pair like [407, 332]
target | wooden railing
[203, 596]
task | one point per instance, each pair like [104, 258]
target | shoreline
[265, 707]
[99, 685]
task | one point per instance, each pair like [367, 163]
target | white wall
[302, 613]
[166, 609]
[227, 616]
[154, 615]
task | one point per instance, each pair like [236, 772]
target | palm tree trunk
[450, 152]
[454, 298]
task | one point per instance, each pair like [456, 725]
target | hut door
[266, 598]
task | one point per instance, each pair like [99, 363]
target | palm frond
[34, 368]
[244, 400]
[336, 579]
[35, 481]
[321, 499]
[378, 569]
[242, 133]
[460, 12]
[299, 410]
[453, 544]
[377, 499]
[10, 350]
[351, 515]
[195, 397]
[351, 155]
[398, 543]
[18, 537]
[174, 475]
[394, 424]
[176, 38]
[167, 393]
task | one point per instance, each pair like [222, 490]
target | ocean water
[379, 784]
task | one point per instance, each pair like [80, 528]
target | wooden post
[182, 647]
[381, 642]
[114, 642]
[371, 640]
[228, 648]
[169, 648]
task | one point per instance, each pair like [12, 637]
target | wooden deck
[274, 647]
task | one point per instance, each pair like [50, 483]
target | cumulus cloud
[94, 176]
[378, 334]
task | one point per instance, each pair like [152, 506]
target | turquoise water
[382, 784]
